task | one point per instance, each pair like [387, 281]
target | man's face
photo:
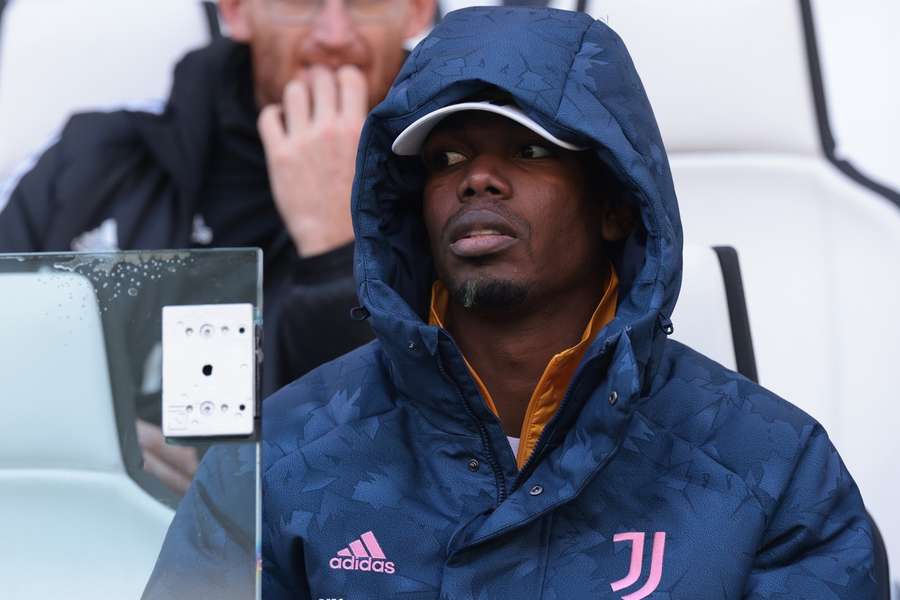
[509, 215]
[285, 44]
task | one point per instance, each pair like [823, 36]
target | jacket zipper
[542, 442]
[545, 434]
[483, 433]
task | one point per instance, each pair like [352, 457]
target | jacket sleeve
[210, 549]
[279, 583]
[819, 540]
[27, 204]
[283, 559]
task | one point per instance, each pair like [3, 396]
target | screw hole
[207, 370]
[241, 330]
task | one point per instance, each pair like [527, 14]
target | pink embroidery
[363, 554]
[636, 565]
[368, 538]
[356, 547]
[637, 558]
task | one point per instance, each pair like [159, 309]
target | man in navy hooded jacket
[522, 427]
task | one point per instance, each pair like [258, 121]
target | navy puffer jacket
[663, 474]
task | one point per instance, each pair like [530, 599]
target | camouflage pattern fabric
[663, 475]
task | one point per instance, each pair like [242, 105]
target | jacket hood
[572, 75]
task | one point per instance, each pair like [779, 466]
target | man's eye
[450, 158]
[444, 158]
[535, 151]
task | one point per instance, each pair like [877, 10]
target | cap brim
[410, 140]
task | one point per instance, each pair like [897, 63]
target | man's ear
[236, 15]
[617, 221]
[421, 17]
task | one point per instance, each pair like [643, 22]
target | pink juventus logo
[637, 563]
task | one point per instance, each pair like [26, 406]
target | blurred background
[781, 119]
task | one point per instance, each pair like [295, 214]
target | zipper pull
[359, 313]
[665, 323]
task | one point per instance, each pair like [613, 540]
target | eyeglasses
[298, 12]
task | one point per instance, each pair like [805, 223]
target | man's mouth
[479, 233]
[481, 243]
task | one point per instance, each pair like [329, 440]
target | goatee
[491, 293]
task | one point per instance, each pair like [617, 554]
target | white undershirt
[514, 443]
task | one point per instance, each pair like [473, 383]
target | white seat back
[65, 498]
[721, 76]
[55, 383]
[859, 48]
[58, 57]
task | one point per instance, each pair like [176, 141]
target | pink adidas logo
[364, 554]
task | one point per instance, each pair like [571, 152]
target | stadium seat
[58, 57]
[857, 43]
[711, 312]
[76, 525]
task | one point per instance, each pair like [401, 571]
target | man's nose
[484, 179]
[333, 29]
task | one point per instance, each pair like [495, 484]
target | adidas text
[373, 565]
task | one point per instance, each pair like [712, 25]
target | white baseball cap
[410, 140]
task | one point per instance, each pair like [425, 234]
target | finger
[324, 94]
[296, 105]
[354, 91]
[169, 476]
[181, 458]
[152, 441]
[150, 437]
[271, 126]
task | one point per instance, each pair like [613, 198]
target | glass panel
[88, 484]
